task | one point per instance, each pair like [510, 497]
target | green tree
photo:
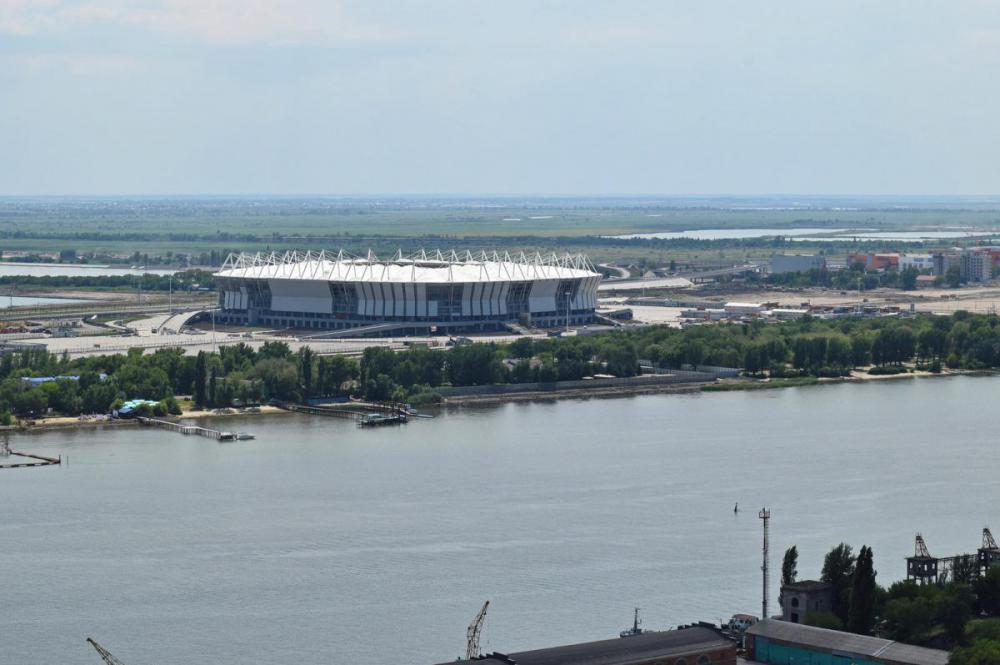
[982, 652]
[908, 279]
[306, 357]
[988, 592]
[200, 380]
[861, 611]
[909, 619]
[953, 277]
[955, 609]
[213, 389]
[823, 620]
[838, 569]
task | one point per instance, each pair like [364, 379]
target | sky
[571, 97]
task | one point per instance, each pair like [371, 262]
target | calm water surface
[53, 270]
[22, 301]
[322, 543]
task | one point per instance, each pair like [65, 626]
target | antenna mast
[472, 634]
[765, 515]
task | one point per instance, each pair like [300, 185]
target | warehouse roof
[620, 651]
[428, 267]
[885, 651]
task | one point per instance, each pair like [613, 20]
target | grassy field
[194, 225]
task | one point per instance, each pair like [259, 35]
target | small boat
[244, 436]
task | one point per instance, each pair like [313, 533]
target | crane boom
[104, 653]
[472, 634]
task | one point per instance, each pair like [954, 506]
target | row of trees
[181, 281]
[829, 347]
[238, 372]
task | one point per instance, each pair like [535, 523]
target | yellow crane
[472, 633]
[104, 653]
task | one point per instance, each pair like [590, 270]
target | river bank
[71, 422]
[576, 393]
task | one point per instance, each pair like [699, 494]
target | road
[166, 337]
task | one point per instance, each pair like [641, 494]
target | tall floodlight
[765, 515]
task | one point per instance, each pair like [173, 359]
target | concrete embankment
[680, 381]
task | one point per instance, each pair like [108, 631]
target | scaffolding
[923, 568]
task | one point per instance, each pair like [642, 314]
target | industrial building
[799, 599]
[693, 645]
[775, 641]
[782, 263]
[419, 293]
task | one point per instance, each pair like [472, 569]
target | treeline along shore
[34, 382]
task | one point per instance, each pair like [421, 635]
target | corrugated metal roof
[839, 641]
[623, 650]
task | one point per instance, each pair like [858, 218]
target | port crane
[473, 632]
[105, 655]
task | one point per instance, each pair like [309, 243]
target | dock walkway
[188, 430]
[37, 460]
[367, 414]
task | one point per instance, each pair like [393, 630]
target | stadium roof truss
[343, 266]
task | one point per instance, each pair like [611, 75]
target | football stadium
[421, 293]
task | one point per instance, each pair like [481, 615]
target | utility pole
[765, 515]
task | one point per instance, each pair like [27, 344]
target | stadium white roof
[427, 267]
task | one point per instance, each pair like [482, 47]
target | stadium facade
[446, 291]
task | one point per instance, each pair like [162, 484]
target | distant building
[943, 261]
[694, 645]
[799, 599]
[787, 314]
[876, 261]
[784, 263]
[774, 641]
[743, 308]
[976, 265]
[919, 262]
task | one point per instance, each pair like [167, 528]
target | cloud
[984, 43]
[81, 64]
[269, 22]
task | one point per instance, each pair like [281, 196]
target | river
[15, 269]
[319, 543]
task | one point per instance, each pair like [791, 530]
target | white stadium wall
[300, 296]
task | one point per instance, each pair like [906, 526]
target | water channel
[320, 543]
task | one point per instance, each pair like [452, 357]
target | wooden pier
[37, 460]
[366, 414]
[189, 430]
[332, 412]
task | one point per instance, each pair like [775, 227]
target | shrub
[887, 370]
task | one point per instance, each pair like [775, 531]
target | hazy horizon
[471, 98]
